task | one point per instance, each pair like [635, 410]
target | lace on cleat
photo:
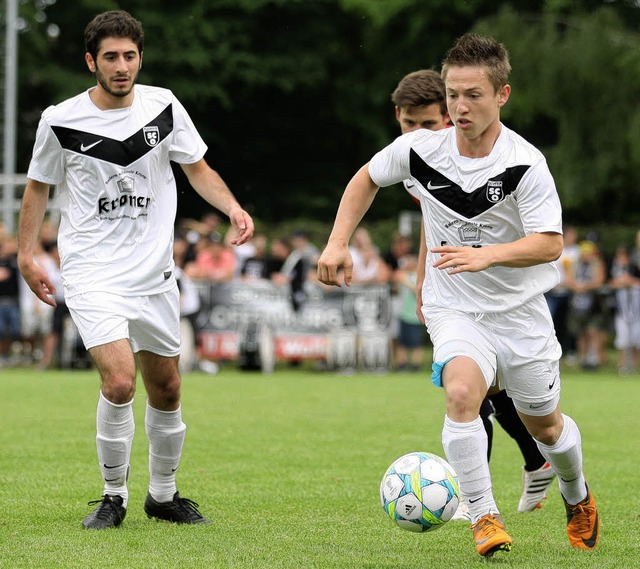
[109, 514]
[179, 510]
[534, 487]
[583, 523]
[490, 536]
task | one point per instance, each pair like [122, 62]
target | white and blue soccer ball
[420, 491]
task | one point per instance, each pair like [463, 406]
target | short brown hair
[474, 50]
[113, 24]
[420, 88]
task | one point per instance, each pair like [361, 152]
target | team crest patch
[494, 191]
[151, 135]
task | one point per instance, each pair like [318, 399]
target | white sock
[166, 432]
[465, 445]
[565, 456]
[115, 427]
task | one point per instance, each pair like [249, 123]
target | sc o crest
[494, 191]
[151, 135]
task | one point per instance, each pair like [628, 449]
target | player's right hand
[38, 281]
[333, 261]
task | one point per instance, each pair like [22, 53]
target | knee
[118, 389]
[165, 394]
[546, 434]
[463, 401]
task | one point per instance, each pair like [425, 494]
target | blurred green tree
[292, 96]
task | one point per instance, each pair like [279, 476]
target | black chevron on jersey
[119, 152]
[454, 197]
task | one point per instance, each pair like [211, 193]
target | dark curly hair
[113, 24]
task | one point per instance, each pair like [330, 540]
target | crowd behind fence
[260, 305]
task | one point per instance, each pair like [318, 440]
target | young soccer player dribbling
[108, 150]
[493, 227]
[420, 102]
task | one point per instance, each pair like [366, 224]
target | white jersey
[475, 202]
[116, 189]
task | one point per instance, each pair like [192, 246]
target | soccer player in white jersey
[108, 151]
[493, 228]
[420, 102]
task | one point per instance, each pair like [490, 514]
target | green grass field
[288, 467]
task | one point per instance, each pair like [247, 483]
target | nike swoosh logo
[537, 406]
[474, 501]
[552, 384]
[110, 467]
[568, 481]
[84, 148]
[430, 186]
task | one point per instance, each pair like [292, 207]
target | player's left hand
[243, 224]
[461, 259]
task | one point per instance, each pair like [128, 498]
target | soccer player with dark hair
[108, 151]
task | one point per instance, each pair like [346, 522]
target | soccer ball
[420, 491]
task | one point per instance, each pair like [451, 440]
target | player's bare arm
[355, 202]
[208, 183]
[531, 250]
[34, 206]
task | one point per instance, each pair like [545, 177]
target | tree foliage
[292, 96]
[576, 82]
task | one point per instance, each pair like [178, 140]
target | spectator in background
[215, 262]
[293, 273]
[586, 318]
[625, 282]
[359, 240]
[60, 311]
[36, 318]
[10, 332]
[195, 233]
[369, 266]
[242, 252]
[190, 304]
[412, 333]
[256, 266]
[279, 250]
[181, 246]
[401, 245]
[209, 223]
[300, 242]
[558, 298]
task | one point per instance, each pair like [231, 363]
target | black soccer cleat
[179, 510]
[109, 513]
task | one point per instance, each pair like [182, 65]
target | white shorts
[150, 323]
[518, 348]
